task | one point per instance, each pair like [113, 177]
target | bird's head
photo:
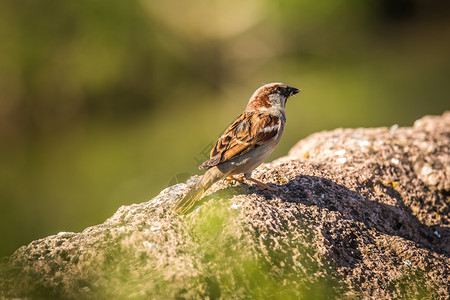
[272, 95]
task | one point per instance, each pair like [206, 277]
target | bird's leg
[238, 178]
[262, 184]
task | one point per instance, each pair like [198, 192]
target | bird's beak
[293, 90]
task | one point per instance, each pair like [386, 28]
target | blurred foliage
[103, 103]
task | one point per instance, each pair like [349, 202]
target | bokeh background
[105, 103]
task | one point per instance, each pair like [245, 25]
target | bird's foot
[263, 186]
[232, 178]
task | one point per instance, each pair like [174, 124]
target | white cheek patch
[278, 101]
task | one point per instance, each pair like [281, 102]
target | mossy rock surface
[359, 213]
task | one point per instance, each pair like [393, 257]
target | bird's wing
[250, 130]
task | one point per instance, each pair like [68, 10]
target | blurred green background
[104, 103]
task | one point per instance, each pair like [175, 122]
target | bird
[246, 143]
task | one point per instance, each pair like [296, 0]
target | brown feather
[248, 131]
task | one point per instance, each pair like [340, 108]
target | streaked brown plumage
[246, 142]
[241, 137]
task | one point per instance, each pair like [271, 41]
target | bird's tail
[187, 202]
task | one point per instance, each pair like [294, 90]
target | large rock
[360, 212]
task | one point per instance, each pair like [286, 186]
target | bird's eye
[278, 90]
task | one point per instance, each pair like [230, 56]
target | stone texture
[360, 213]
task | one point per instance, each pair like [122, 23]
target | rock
[360, 213]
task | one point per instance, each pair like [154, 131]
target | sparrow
[246, 142]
